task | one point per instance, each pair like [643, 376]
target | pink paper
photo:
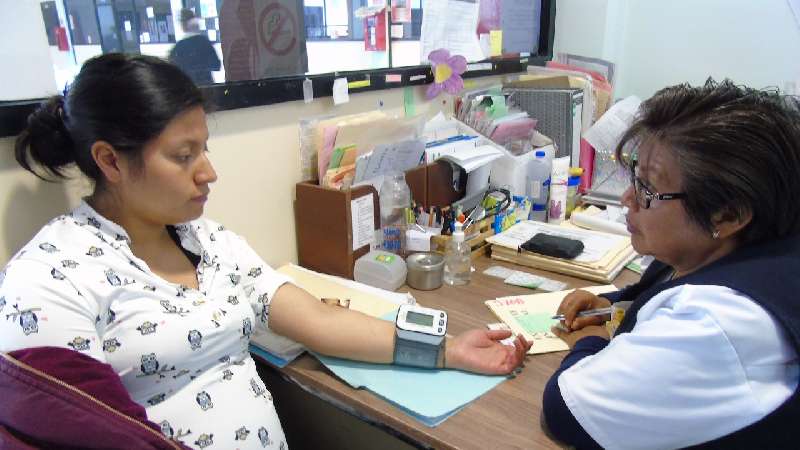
[514, 130]
[324, 157]
[586, 162]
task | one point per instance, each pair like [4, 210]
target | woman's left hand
[480, 351]
[572, 337]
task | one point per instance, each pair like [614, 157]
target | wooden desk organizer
[477, 242]
[323, 216]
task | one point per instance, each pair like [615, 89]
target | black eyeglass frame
[642, 193]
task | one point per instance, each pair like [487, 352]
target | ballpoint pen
[586, 313]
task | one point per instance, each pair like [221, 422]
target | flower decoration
[447, 72]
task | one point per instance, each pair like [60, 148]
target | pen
[588, 312]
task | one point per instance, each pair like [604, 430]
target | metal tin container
[425, 271]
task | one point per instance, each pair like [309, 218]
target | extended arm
[335, 331]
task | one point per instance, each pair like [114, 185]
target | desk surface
[506, 417]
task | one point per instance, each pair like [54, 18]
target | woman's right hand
[577, 301]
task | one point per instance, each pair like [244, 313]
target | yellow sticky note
[358, 84]
[496, 42]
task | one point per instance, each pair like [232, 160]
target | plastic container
[395, 197]
[457, 262]
[573, 182]
[537, 179]
[380, 269]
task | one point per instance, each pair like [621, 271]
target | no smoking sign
[277, 29]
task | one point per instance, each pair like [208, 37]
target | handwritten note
[530, 316]
[450, 24]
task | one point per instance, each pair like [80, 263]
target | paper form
[386, 158]
[520, 22]
[530, 316]
[607, 131]
[471, 158]
[450, 24]
[369, 300]
[362, 210]
[595, 245]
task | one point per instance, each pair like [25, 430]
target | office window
[82, 22]
[156, 25]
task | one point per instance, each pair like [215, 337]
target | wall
[255, 152]
[31, 71]
[656, 44]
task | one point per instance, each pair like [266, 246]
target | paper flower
[447, 72]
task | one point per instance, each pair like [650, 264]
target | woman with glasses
[706, 354]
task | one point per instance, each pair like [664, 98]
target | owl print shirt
[181, 353]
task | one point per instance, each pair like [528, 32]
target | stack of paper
[532, 316]
[604, 254]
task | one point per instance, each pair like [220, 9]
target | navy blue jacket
[769, 274]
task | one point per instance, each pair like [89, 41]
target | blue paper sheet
[275, 360]
[430, 396]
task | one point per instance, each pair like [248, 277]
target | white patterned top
[181, 353]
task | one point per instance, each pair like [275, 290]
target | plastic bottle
[457, 262]
[572, 187]
[537, 184]
[395, 197]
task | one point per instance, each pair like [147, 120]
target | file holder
[559, 112]
[324, 222]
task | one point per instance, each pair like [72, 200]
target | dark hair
[187, 14]
[738, 150]
[125, 100]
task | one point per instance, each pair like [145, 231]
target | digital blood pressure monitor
[419, 336]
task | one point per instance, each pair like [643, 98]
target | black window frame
[269, 91]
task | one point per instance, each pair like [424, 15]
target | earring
[715, 234]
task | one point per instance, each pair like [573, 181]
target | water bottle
[537, 182]
[457, 262]
[395, 197]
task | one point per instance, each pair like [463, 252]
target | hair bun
[51, 144]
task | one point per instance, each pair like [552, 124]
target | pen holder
[476, 238]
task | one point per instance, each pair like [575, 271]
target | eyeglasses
[643, 194]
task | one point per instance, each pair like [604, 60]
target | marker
[586, 313]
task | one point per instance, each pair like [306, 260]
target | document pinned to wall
[519, 20]
[362, 210]
[452, 25]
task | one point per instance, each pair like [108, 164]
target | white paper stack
[604, 254]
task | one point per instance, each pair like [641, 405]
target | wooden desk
[506, 417]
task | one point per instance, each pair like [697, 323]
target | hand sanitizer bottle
[457, 262]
